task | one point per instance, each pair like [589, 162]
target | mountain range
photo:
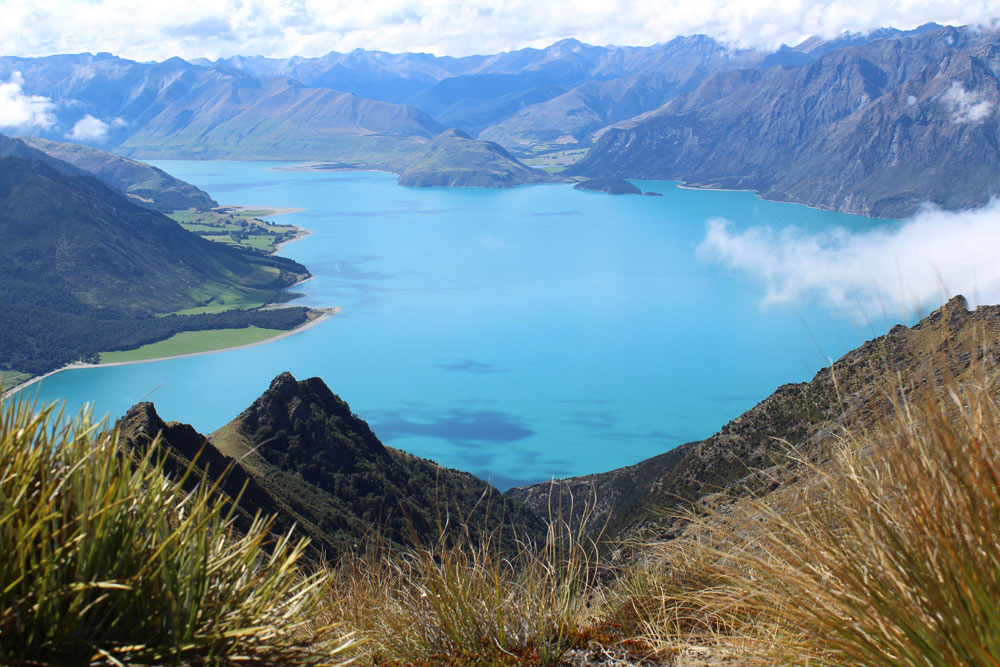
[875, 124]
[876, 128]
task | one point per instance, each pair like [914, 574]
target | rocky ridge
[306, 457]
[951, 342]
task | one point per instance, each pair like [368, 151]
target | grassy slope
[142, 183]
[241, 228]
[189, 342]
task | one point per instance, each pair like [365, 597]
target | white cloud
[966, 106]
[212, 28]
[20, 110]
[903, 267]
[89, 128]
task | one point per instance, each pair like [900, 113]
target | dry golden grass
[887, 554]
[473, 603]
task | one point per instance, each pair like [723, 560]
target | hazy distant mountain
[475, 92]
[876, 129]
[308, 459]
[646, 80]
[142, 183]
[568, 90]
[454, 159]
[175, 109]
[393, 77]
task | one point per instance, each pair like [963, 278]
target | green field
[188, 342]
[9, 379]
[244, 228]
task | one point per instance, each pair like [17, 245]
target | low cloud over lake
[901, 268]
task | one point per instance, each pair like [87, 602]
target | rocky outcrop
[877, 129]
[309, 461]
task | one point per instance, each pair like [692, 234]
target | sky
[159, 29]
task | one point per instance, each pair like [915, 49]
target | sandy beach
[328, 313]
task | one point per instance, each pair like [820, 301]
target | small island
[612, 186]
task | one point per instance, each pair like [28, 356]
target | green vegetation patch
[13, 378]
[236, 227]
[58, 338]
[189, 342]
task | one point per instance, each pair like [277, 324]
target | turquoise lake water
[518, 334]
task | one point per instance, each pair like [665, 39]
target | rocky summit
[305, 457]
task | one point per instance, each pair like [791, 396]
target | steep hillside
[808, 416]
[142, 183]
[305, 456]
[454, 159]
[84, 270]
[876, 129]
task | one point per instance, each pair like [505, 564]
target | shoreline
[684, 185]
[327, 313]
[301, 233]
[269, 210]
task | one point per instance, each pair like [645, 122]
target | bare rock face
[876, 129]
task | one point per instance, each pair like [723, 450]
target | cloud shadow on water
[548, 214]
[463, 427]
[470, 366]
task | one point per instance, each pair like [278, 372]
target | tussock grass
[472, 601]
[105, 560]
[885, 550]
[887, 554]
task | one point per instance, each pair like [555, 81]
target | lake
[519, 334]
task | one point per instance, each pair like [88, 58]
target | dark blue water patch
[234, 187]
[346, 269]
[380, 213]
[546, 214]
[594, 419]
[504, 482]
[668, 439]
[342, 177]
[470, 366]
[734, 398]
[462, 427]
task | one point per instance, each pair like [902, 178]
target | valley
[439, 288]
[748, 417]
